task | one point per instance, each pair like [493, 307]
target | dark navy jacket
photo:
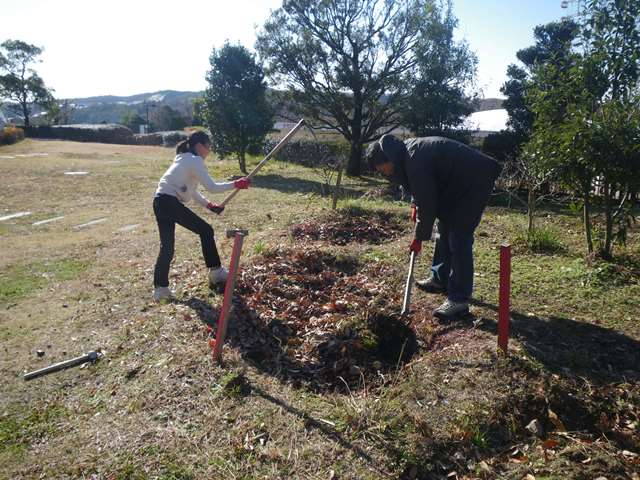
[447, 179]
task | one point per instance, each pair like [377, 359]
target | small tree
[522, 170]
[237, 112]
[167, 118]
[198, 107]
[20, 84]
[132, 120]
[445, 72]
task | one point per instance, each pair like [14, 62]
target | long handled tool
[89, 357]
[275, 150]
[406, 302]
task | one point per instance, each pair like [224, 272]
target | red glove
[242, 183]
[416, 246]
[414, 212]
[215, 208]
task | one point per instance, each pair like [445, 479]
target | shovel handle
[275, 150]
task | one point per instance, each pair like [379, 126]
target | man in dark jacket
[451, 182]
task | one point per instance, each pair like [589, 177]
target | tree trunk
[242, 162]
[586, 218]
[608, 216]
[531, 210]
[336, 190]
[355, 158]
[25, 114]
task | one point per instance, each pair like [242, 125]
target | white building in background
[3, 121]
[486, 122]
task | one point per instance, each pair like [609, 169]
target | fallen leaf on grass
[550, 444]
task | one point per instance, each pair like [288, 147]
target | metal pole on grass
[223, 320]
[505, 292]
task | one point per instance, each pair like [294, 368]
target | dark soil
[353, 226]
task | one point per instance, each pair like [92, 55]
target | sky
[126, 47]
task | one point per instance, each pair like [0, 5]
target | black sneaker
[431, 286]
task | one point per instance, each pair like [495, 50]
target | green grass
[19, 281]
[19, 427]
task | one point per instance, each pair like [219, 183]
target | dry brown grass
[156, 407]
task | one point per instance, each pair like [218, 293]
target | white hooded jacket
[182, 178]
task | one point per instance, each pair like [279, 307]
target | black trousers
[169, 211]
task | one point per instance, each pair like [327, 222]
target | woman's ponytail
[183, 146]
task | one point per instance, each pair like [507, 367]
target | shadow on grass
[298, 185]
[325, 428]
[570, 347]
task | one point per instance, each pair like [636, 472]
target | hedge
[101, 133]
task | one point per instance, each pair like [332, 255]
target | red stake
[505, 291]
[223, 320]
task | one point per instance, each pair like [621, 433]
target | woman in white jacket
[178, 186]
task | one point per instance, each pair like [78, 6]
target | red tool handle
[223, 320]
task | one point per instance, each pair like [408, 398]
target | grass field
[565, 403]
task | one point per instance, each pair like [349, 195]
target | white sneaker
[162, 293]
[450, 309]
[218, 275]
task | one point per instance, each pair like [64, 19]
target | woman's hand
[215, 208]
[242, 183]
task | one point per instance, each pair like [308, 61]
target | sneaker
[451, 309]
[162, 293]
[430, 285]
[218, 275]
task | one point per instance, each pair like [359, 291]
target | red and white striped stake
[223, 320]
[505, 292]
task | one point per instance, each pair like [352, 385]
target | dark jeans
[453, 262]
[170, 211]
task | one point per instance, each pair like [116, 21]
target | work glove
[414, 212]
[416, 246]
[215, 208]
[242, 183]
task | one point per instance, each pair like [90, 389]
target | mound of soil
[319, 320]
[358, 226]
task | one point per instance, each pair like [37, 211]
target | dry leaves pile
[319, 320]
[346, 227]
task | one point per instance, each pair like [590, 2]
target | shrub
[10, 135]
[541, 240]
[101, 133]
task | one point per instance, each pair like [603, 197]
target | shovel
[406, 302]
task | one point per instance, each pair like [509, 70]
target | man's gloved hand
[215, 208]
[414, 212]
[416, 246]
[242, 183]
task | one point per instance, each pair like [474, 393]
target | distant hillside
[111, 108]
